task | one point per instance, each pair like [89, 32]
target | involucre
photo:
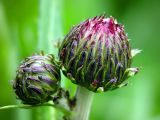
[96, 54]
[37, 79]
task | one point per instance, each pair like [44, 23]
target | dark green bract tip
[37, 79]
[96, 54]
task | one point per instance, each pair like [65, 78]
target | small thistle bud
[96, 54]
[37, 79]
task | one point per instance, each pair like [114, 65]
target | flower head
[96, 54]
[37, 79]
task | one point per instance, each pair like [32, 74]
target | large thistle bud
[96, 54]
[37, 79]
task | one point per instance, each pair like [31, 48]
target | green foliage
[19, 37]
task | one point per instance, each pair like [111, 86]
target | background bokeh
[19, 34]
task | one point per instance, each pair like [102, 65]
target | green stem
[49, 29]
[62, 109]
[43, 113]
[83, 105]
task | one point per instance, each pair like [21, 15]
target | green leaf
[23, 106]
[134, 52]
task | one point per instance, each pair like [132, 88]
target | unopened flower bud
[96, 54]
[37, 79]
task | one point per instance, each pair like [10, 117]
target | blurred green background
[19, 35]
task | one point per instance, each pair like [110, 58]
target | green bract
[37, 79]
[96, 54]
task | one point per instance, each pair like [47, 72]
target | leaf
[23, 106]
[134, 52]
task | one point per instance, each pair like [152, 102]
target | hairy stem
[83, 105]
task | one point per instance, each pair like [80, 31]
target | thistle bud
[96, 54]
[37, 79]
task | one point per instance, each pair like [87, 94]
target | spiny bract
[37, 79]
[96, 54]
